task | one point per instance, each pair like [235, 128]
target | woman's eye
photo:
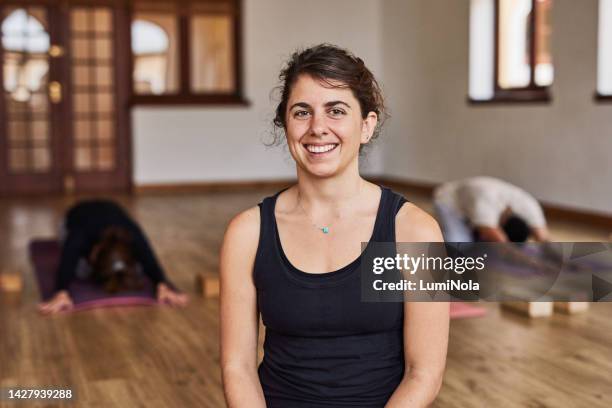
[300, 114]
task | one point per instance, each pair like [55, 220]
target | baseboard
[578, 215]
[551, 210]
[212, 187]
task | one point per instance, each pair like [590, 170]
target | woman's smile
[320, 150]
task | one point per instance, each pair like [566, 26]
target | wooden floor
[162, 357]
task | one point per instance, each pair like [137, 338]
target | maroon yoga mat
[44, 256]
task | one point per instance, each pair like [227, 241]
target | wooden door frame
[119, 179]
[60, 117]
[3, 124]
[25, 183]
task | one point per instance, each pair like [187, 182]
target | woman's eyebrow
[327, 104]
[334, 103]
[300, 105]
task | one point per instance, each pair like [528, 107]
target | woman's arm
[540, 234]
[73, 248]
[425, 324]
[145, 254]
[239, 316]
[165, 292]
[491, 234]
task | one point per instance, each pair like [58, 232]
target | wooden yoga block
[571, 307]
[517, 301]
[207, 284]
[570, 301]
[530, 309]
[11, 282]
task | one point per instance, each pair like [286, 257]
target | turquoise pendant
[325, 230]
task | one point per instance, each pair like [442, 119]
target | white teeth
[320, 149]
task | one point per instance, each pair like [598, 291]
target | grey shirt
[482, 200]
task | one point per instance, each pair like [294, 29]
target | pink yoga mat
[44, 256]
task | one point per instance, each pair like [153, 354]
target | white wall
[560, 152]
[195, 144]
[419, 50]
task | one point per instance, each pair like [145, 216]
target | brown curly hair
[114, 262]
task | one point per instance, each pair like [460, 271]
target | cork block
[571, 307]
[570, 301]
[10, 282]
[207, 284]
[530, 309]
[527, 302]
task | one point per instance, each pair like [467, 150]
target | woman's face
[324, 127]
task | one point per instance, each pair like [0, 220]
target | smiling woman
[295, 260]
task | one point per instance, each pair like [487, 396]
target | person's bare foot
[170, 297]
[60, 302]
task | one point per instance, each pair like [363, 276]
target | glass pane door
[93, 94]
[28, 154]
[98, 113]
[64, 113]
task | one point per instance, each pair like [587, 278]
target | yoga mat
[461, 310]
[44, 256]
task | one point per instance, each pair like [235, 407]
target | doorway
[64, 113]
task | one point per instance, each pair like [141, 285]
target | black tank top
[323, 346]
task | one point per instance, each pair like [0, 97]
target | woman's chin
[321, 170]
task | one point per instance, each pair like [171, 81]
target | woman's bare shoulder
[286, 200]
[413, 224]
[244, 225]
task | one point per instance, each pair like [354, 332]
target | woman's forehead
[319, 91]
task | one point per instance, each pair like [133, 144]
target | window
[25, 43]
[186, 52]
[604, 62]
[154, 49]
[510, 52]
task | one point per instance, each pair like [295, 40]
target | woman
[295, 259]
[103, 242]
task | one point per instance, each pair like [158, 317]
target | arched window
[154, 72]
[26, 43]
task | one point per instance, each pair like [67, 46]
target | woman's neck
[329, 193]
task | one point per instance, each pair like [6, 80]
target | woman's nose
[318, 125]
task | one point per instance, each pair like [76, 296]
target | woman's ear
[368, 127]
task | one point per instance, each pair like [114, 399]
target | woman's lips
[320, 149]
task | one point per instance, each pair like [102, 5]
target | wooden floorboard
[164, 357]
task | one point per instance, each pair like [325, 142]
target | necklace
[323, 228]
